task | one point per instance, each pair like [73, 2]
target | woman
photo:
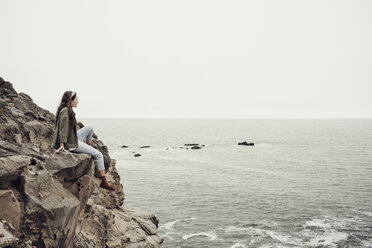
[66, 136]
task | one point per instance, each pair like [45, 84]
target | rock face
[10, 209]
[52, 199]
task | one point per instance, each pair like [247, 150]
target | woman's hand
[61, 148]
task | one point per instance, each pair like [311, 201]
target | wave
[322, 223]
[324, 236]
[233, 229]
[264, 233]
[238, 245]
[211, 235]
[362, 212]
[316, 232]
[286, 239]
[367, 243]
[328, 239]
[169, 225]
[323, 231]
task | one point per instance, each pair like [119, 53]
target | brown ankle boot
[105, 184]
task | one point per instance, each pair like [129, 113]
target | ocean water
[305, 183]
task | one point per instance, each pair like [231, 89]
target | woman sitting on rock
[66, 136]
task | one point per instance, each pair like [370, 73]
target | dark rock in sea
[50, 199]
[251, 225]
[191, 144]
[145, 146]
[124, 146]
[196, 147]
[137, 155]
[245, 144]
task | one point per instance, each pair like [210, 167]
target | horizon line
[232, 118]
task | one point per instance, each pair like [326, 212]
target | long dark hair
[67, 97]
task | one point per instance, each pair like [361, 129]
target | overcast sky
[192, 59]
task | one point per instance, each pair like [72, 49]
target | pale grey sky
[192, 59]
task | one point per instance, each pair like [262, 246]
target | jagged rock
[124, 227]
[51, 211]
[106, 198]
[38, 134]
[67, 167]
[11, 169]
[82, 188]
[245, 144]
[10, 209]
[6, 88]
[58, 194]
[9, 149]
[6, 234]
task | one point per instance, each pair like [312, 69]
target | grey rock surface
[50, 199]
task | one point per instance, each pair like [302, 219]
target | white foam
[276, 246]
[211, 235]
[261, 232]
[170, 225]
[317, 223]
[329, 238]
[278, 236]
[366, 213]
[366, 243]
[238, 245]
[232, 229]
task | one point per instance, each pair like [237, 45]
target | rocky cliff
[52, 199]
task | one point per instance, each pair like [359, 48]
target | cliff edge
[52, 199]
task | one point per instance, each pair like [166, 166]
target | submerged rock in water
[124, 146]
[191, 144]
[137, 155]
[50, 199]
[145, 146]
[196, 147]
[245, 144]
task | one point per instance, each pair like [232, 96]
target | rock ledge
[54, 200]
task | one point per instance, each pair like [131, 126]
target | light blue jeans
[86, 133]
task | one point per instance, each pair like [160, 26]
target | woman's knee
[89, 129]
[98, 155]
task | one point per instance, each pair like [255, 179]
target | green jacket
[64, 131]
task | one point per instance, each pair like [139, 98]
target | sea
[304, 183]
